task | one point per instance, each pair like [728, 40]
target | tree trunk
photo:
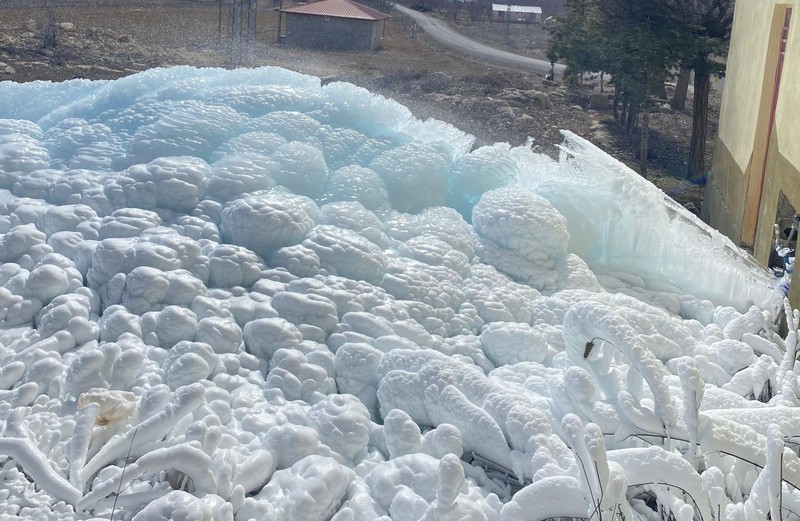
[697, 149]
[678, 101]
[615, 102]
[633, 116]
[644, 143]
[626, 117]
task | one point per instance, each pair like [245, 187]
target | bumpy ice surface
[245, 295]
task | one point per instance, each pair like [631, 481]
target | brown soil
[109, 39]
[519, 38]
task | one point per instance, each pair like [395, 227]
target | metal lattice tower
[241, 23]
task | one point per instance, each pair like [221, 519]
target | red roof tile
[338, 9]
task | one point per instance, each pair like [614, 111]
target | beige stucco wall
[783, 167]
[787, 119]
[724, 198]
[782, 176]
[735, 202]
[746, 61]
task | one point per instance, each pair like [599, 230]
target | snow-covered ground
[245, 295]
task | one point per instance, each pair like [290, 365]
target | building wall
[726, 188]
[332, 34]
[789, 101]
[783, 176]
[737, 202]
[529, 18]
[746, 62]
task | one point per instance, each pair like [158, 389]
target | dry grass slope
[106, 39]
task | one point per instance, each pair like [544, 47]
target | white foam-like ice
[244, 294]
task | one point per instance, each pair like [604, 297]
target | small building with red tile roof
[333, 25]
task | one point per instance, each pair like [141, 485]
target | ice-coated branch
[35, 464]
[767, 492]
[21, 396]
[673, 502]
[79, 445]
[10, 374]
[640, 465]
[185, 400]
[252, 473]
[595, 446]
[786, 374]
[186, 458]
[34, 352]
[734, 439]
[133, 500]
[607, 482]
[587, 320]
[479, 471]
[692, 387]
[775, 471]
[451, 484]
[791, 316]
[551, 497]
[577, 437]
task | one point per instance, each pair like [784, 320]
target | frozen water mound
[618, 221]
[235, 295]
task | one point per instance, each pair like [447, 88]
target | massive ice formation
[238, 294]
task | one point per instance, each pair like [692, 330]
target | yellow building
[754, 183]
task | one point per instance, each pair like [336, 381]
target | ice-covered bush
[234, 295]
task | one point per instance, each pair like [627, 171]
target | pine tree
[639, 42]
[709, 25]
[640, 45]
[576, 40]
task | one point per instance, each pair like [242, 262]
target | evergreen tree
[575, 39]
[709, 25]
[639, 42]
[642, 42]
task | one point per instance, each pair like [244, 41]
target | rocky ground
[106, 40]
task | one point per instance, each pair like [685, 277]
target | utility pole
[254, 10]
[242, 26]
[508, 20]
[280, 18]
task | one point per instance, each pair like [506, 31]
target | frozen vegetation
[239, 295]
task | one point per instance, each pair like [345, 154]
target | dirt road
[440, 31]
